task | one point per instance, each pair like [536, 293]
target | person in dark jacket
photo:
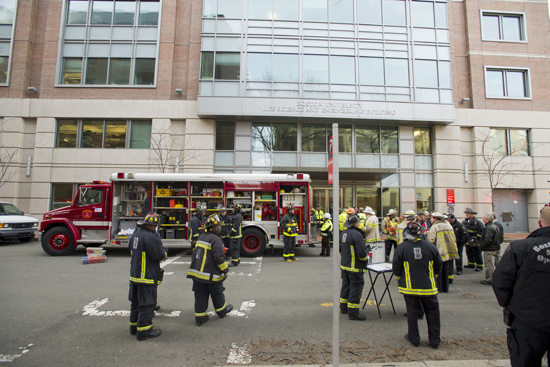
[497, 223]
[474, 227]
[289, 225]
[461, 239]
[490, 245]
[416, 264]
[225, 221]
[353, 266]
[145, 276]
[236, 235]
[195, 225]
[326, 235]
[208, 270]
[521, 283]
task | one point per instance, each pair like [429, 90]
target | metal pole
[335, 247]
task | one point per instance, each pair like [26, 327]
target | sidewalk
[471, 363]
[510, 237]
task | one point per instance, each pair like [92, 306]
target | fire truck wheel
[253, 242]
[58, 241]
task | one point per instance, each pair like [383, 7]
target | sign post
[334, 179]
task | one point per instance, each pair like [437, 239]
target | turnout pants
[350, 294]
[491, 260]
[431, 308]
[235, 248]
[526, 345]
[474, 257]
[202, 292]
[443, 279]
[389, 244]
[143, 300]
[289, 244]
[325, 244]
[458, 262]
[227, 245]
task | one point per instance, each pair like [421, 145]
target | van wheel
[254, 242]
[58, 241]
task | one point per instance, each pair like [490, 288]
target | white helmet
[391, 212]
[326, 216]
[369, 210]
[437, 215]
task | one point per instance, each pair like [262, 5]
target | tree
[8, 160]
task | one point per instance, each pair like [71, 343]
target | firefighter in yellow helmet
[290, 231]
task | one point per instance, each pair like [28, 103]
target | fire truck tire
[58, 241]
[254, 242]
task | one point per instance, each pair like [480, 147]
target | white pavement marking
[246, 307]
[7, 358]
[255, 268]
[239, 355]
[91, 309]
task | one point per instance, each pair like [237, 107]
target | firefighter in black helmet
[195, 225]
[290, 231]
[236, 235]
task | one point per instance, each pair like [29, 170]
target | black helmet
[152, 219]
[351, 221]
[212, 221]
[237, 207]
[469, 211]
[290, 207]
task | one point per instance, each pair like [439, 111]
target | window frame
[508, 146]
[11, 40]
[527, 81]
[501, 14]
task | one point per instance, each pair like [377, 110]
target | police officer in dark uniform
[353, 266]
[290, 231]
[461, 239]
[145, 276]
[195, 225]
[208, 270]
[416, 264]
[474, 227]
[521, 283]
[236, 235]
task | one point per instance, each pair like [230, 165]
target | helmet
[391, 212]
[351, 211]
[212, 221]
[469, 211]
[369, 210]
[351, 221]
[326, 216]
[290, 207]
[237, 207]
[223, 209]
[152, 219]
[317, 206]
[410, 213]
[199, 209]
[437, 215]
[413, 230]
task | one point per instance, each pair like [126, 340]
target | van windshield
[9, 209]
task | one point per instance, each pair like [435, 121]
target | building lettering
[332, 108]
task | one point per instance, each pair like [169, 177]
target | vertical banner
[330, 150]
[450, 197]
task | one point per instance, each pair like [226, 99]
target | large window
[220, 65]
[424, 200]
[223, 9]
[225, 135]
[344, 139]
[509, 142]
[274, 137]
[112, 134]
[511, 83]
[274, 9]
[422, 140]
[7, 20]
[314, 138]
[503, 27]
[375, 139]
[110, 42]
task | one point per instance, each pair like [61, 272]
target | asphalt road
[56, 311]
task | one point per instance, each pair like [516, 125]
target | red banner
[330, 159]
[450, 197]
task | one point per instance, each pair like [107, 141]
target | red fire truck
[106, 214]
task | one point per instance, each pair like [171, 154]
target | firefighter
[290, 231]
[145, 276]
[416, 264]
[208, 270]
[319, 215]
[342, 219]
[408, 216]
[225, 221]
[389, 228]
[326, 234]
[442, 235]
[372, 232]
[461, 237]
[236, 235]
[362, 219]
[475, 228]
[195, 225]
[353, 266]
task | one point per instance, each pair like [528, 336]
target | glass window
[495, 83]
[62, 195]
[124, 12]
[507, 83]
[390, 200]
[388, 137]
[258, 67]
[315, 69]
[491, 27]
[425, 73]
[502, 27]
[92, 134]
[369, 196]
[314, 137]
[148, 13]
[422, 14]
[369, 11]
[3, 69]
[444, 74]
[229, 9]
[315, 10]
[225, 135]
[89, 196]
[78, 12]
[102, 12]
[72, 70]
[394, 12]
[285, 137]
[207, 65]
[519, 142]
[367, 139]
[210, 8]
[140, 134]
[227, 66]
[371, 70]
[498, 142]
[260, 9]
[342, 70]
[515, 84]
[66, 133]
[96, 71]
[286, 9]
[341, 11]
[422, 140]
[119, 71]
[286, 68]
[144, 72]
[424, 200]
[115, 134]
[397, 72]
[344, 138]
[441, 15]
[261, 137]
[511, 28]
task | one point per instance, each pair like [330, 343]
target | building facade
[433, 99]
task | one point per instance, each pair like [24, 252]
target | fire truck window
[90, 196]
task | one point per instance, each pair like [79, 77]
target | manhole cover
[469, 295]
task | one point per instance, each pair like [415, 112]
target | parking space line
[244, 311]
[11, 357]
[91, 309]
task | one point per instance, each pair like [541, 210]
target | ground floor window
[63, 194]
[424, 200]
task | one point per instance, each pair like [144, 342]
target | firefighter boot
[201, 320]
[133, 330]
[357, 316]
[225, 311]
[149, 334]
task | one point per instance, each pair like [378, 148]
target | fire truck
[107, 213]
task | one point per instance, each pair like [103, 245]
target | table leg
[371, 288]
[388, 290]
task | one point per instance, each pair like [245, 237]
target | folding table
[381, 268]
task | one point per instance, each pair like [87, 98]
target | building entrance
[511, 209]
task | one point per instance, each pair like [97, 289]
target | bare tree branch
[9, 164]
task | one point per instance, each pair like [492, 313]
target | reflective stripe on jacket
[389, 227]
[474, 227]
[289, 225]
[442, 235]
[195, 228]
[354, 251]
[319, 215]
[236, 226]
[371, 229]
[400, 228]
[326, 228]
[208, 263]
[147, 253]
[342, 219]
